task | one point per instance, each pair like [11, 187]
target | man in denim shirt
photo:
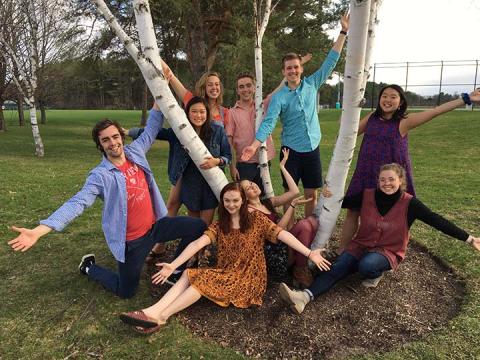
[296, 105]
[133, 215]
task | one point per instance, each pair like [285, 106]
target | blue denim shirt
[107, 183]
[298, 110]
[178, 158]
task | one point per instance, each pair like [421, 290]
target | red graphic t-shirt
[140, 215]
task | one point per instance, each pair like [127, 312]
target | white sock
[309, 293]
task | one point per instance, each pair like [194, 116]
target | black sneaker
[172, 279]
[87, 261]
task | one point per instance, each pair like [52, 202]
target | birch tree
[261, 23]
[363, 19]
[150, 64]
[22, 60]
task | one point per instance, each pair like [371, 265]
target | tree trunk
[261, 26]
[328, 209]
[3, 124]
[43, 113]
[37, 139]
[149, 62]
[21, 114]
[143, 121]
[195, 44]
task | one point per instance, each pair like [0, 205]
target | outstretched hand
[306, 58]
[285, 152]
[322, 263]
[166, 270]
[476, 243]
[248, 152]
[475, 95]
[167, 72]
[24, 241]
[300, 200]
[345, 21]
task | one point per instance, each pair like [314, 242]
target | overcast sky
[429, 30]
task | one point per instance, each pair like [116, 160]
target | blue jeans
[124, 283]
[371, 265]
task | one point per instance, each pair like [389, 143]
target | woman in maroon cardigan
[385, 218]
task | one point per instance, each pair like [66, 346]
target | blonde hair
[399, 170]
[201, 86]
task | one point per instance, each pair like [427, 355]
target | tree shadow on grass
[421, 296]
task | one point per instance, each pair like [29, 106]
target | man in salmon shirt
[241, 131]
[134, 213]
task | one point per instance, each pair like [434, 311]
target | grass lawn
[48, 310]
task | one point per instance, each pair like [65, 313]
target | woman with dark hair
[240, 276]
[194, 191]
[279, 259]
[386, 215]
[385, 141]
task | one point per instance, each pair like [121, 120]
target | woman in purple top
[385, 141]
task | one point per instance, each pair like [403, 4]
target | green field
[48, 310]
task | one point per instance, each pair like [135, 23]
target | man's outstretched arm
[28, 237]
[154, 124]
[66, 213]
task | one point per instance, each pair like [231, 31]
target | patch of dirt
[421, 296]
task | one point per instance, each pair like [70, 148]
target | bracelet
[292, 206]
[469, 240]
[466, 99]
[310, 253]
[343, 32]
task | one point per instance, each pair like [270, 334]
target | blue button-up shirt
[107, 183]
[298, 110]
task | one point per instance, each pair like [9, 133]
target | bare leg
[170, 296]
[187, 298]
[349, 228]
[310, 206]
[195, 214]
[173, 202]
[207, 215]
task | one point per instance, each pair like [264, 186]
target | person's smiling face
[111, 142]
[389, 182]
[232, 202]
[197, 114]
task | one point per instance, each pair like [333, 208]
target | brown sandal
[147, 331]
[138, 318]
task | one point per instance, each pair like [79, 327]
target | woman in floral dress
[239, 278]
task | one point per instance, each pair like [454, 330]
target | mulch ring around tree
[421, 296]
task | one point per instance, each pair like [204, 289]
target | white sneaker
[297, 300]
[372, 282]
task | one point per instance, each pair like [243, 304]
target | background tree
[22, 58]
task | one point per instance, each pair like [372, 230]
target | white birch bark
[356, 73]
[149, 62]
[260, 27]
[26, 85]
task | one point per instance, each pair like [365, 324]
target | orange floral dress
[240, 277]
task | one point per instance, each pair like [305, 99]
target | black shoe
[87, 261]
[172, 279]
